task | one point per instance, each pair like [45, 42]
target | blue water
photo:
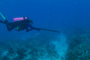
[61, 15]
[49, 13]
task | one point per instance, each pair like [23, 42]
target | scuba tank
[19, 19]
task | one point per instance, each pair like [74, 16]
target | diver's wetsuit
[24, 24]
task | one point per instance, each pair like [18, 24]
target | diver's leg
[3, 21]
[10, 26]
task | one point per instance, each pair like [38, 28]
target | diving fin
[2, 16]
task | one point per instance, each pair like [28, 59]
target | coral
[29, 49]
[79, 48]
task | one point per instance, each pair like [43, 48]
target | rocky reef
[78, 47]
[29, 49]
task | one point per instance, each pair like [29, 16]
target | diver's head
[26, 18]
[30, 21]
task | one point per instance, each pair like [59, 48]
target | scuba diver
[21, 23]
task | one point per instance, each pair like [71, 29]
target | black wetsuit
[24, 24]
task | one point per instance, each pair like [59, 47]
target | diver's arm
[32, 28]
[27, 30]
[36, 28]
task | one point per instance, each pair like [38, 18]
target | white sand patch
[60, 44]
[5, 53]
